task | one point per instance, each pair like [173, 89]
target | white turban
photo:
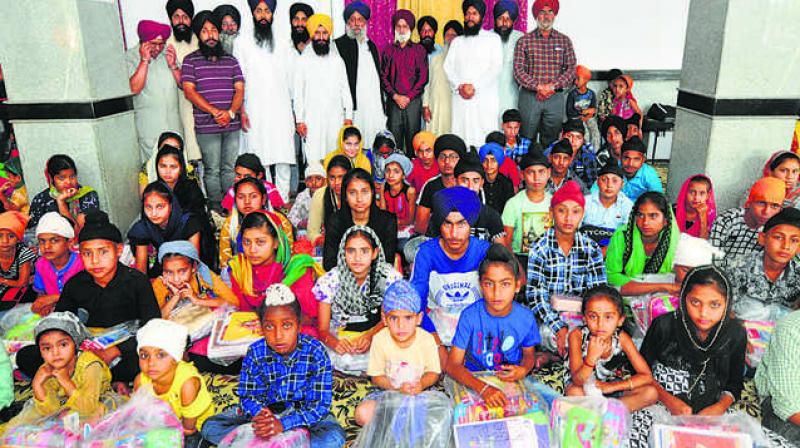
[53, 222]
[164, 334]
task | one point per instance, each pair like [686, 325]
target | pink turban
[538, 5]
[149, 30]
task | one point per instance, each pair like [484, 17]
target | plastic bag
[525, 431]
[402, 420]
[244, 437]
[229, 341]
[470, 407]
[103, 338]
[589, 422]
[566, 303]
[51, 431]
[647, 307]
[144, 421]
[349, 363]
[17, 326]
[758, 336]
[197, 319]
[731, 429]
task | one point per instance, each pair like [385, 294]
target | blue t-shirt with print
[490, 341]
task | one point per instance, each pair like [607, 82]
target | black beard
[503, 32]
[209, 52]
[299, 37]
[321, 47]
[428, 43]
[182, 33]
[472, 30]
[263, 33]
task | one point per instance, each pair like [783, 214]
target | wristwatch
[232, 114]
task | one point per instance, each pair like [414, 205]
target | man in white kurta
[268, 104]
[473, 68]
[322, 99]
[505, 14]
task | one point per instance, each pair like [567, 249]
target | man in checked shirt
[544, 66]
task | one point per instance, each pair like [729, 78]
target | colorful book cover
[665, 436]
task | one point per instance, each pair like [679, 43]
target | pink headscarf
[149, 30]
[680, 207]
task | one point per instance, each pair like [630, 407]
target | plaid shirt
[751, 286]
[542, 60]
[585, 163]
[778, 375]
[731, 233]
[301, 381]
[520, 149]
[551, 272]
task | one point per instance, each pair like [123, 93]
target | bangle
[589, 364]
[485, 386]
[630, 382]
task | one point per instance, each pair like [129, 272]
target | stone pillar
[739, 93]
[68, 92]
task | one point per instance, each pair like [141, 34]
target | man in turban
[404, 75]
[445, 272]
[544, 67]
[322, 101]
[154, 79]
[505, 14]
[362, 61]
[268, 120]
[231, 22]
[473, 67]
[180, 13]
[213, 82]
[427, 27]
[298, 17]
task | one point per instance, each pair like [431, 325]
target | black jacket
[348, 50]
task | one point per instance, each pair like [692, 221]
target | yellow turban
[316, 20]
[767, 189]
[423, 137]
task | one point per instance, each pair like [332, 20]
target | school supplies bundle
[197, 319]
[245, 437]
[470, 407]
[17, 326]
[734, 430]
[59, 430]
[590, 422]
[758, 335]
[350, 363]
[232, 332]
[524, 431]
[103, 338]
[647, 307]
[409, 421]
[566, 303]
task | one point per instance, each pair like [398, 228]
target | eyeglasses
[446, 157]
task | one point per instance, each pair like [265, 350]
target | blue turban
[401, 296]
[454, 199]
[494, 149]
[509, 6]
[187, 249]
[254, 3]
[357, 6]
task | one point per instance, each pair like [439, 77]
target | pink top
[419, 174]
[274, 196]
[623, 107]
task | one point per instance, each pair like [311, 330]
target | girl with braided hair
[646, 245]
[351, 294]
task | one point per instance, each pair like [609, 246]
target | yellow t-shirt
[403, 365]
[201, 408]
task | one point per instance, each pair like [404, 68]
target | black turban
[186, 5]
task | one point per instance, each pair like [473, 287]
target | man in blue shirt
[640, 177]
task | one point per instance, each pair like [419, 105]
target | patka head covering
[767, 189]
[451, 142]
[533, 158]
[573, 126]
[538, 5]
[406, 15]
[479, 5]
[53, 222]
[611, 168]
[149, 30]
[788, 215]
[254, 3]
[15, 222]
[98, 227]
[229, 10]
[582, 70]
[205, 16]
[509, 6]
[298, 7]
[63, 321]
[187, 249]
[164, 334]
[401, 296]
[634, 144]
[570, 191]
[692, 252]
[496, 137]
[562, 147]
[455, 199]
[615, 122]
[185, 5]
[405, 164]
[423, 137]
[469, 165]
[359, 7]
[494, 149]
[317, 20]
[278, 294]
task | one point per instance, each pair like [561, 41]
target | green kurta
[619, 275]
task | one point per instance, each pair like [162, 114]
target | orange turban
[628, 80]
[423, 137]
[767, 189]
[582, 70]
[316, 20]
[15, 222]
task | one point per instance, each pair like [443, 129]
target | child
[604, 105]
[350, 146]
[640, 177]
[350, 294]
[286, 380]
[15, 194]
[607, 208]
[250, 195]
[174, 381]
[696, 207]
[327, 200]
[249, 165]
[63, 193]
[425, 166]
[57, 262]
[107, 293]
[496, 333]
[561, 156]
[600, 349]
[697, 353]
[185, 279]
[69, 378]
[526, 217]
[582, 104]
[398, 197]
[402, 357]
[149, 171]
[315, 179]
[162, 220]
[16, 261]
[383, 146]
[624, 104]
[266, 259]
[785, 166]
[497, 188]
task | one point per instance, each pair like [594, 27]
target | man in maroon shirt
[404, 73]
[544, 67]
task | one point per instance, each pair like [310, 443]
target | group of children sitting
[495, 242]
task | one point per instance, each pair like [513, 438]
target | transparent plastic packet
[103, 338]
[730, 429]
[589, 421]
[409, 421]
[244, 437]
